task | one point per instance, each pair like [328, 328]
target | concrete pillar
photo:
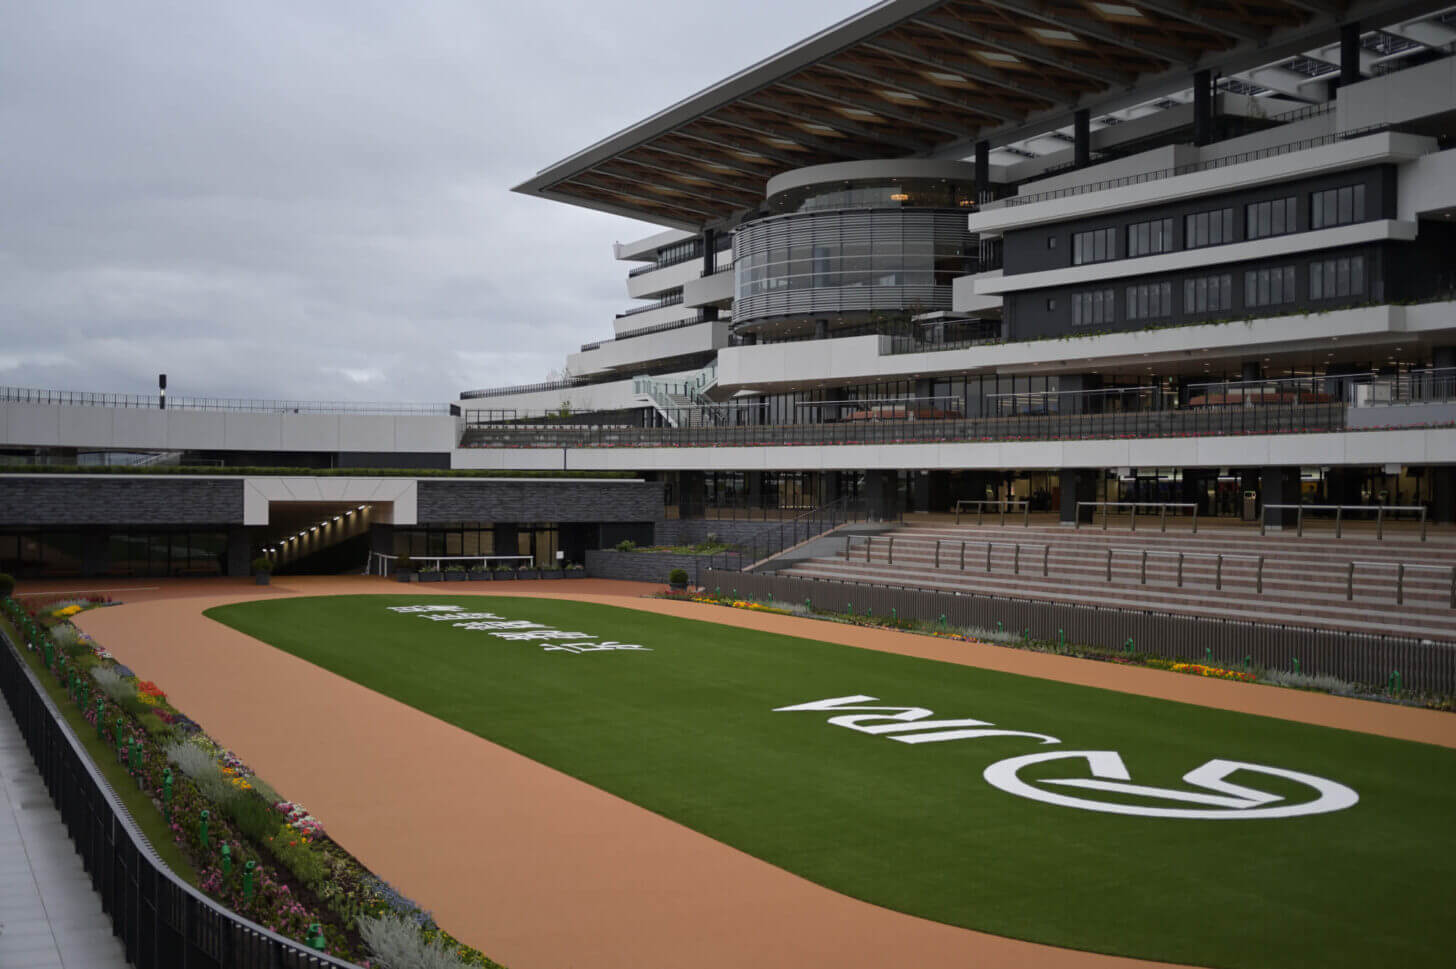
[1076, 484]
[692, 494]
[1349, 54]
[504, 538]
[983, 171]
[1443, 493]
[881, 496]
[1202, 107]
[710, 250]
[1081, 138]
[239, 550]
[1279, 486]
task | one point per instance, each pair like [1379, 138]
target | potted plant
[455, 573]
[552, 570]
[575, 567]
[404, 569]
[503, 572]
[479, 572]
[677, 580]
[527, 571]
[262, 570]
[432, 574]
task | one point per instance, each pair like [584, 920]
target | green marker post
[315, 938]
[227, 860]
[248, 880]
[167, 793]
[202, 828]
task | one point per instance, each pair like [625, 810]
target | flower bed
[266, 858]
[1198, 669]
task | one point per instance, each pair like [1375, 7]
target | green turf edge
[137, 802]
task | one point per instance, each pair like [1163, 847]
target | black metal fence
[162, 921]
[1272, 418]
[1353, 657]
[792, 531]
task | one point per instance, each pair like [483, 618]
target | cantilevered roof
[928, 77]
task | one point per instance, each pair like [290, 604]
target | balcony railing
[693, 320]
[1213, 163]
[672, 299]
[73, 398]
[1211, 421]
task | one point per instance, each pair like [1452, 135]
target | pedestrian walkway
[50, 918]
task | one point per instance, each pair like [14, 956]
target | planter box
[527, 574]
[262, 578]
[479, 576]
[456, 577]
[552, 574]
[678, 586]
[404, 576]
[432, 577]
[503, 576]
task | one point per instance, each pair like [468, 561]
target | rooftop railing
[75, 398]
[694, 320]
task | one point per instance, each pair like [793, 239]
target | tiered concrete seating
[1304, 579]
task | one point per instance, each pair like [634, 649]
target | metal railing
[1351, 656]
[72, 398]
[160, 919]
[694, 320]
[1003, 503]
[524, 388]
[811, 524]
[1339, 511]
[1400, 570]
[1183, 422]
[386, 562]
[672, 299]
[1213, 163]
[1132, 507]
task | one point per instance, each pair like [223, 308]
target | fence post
[1259, 577]
[1218, 573]
[1016, 560]
[963, 568]
[1004, 503]
[1180, 570]
[980, 511]
[1350, 582]
[1453, 587]
[1263, 519]
[1104, 516]
[1339, 515]
[1046, 554]
[869, 540]
[1195, 519]
[1077, 518]
[988, 556]
[890, 552]
[1379, 522]
[1423, 523]
[1163, 517]
[937, 553]
[846, 548]
[1109, 565]
[1400, 583]
[1299, 522]
[1026, 518]
[1143, 579]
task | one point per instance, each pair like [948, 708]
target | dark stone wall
[108, 500]
[693, 531]
[539, 500]
[646, 566]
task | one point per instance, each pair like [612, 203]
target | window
[1094, 308]
[1330, 278]
[1337, 206]
[1208, 294]
[1051, 242]
[1269, 287]
[1274, 218]
[1214, 228]
[1149, 301]
[1099, 245]
[1146, 238]
[1051, 304]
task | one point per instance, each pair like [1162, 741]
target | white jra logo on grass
[1220, 798]
[1217, 796]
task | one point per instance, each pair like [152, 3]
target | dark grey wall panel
[539, 500]
[120, 501]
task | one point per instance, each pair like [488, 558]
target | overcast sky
[311, 200]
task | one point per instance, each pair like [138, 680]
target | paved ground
[545, 872]
[49, 916]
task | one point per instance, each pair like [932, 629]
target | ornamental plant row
[265, 858]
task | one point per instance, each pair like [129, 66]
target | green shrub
[253, 817]
[7, 585]
[113, 684]
[626, 545]
[200, 766]
[308, 865]
[69, 639]
[678, 577]
[153, 724]
[134, 707]
[396, 943]
[262, 565]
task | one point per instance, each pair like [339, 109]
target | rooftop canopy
[929, 77]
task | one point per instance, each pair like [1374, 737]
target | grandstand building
[944, 250]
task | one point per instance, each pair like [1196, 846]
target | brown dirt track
[542, 871]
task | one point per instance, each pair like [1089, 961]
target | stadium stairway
[1304, 579]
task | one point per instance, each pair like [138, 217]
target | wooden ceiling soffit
[674, 167]
[809, 111]
[833, 91]
[680, 188]
[1059, 59]
[1023, 90]
[745, 115]
[623, 190]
